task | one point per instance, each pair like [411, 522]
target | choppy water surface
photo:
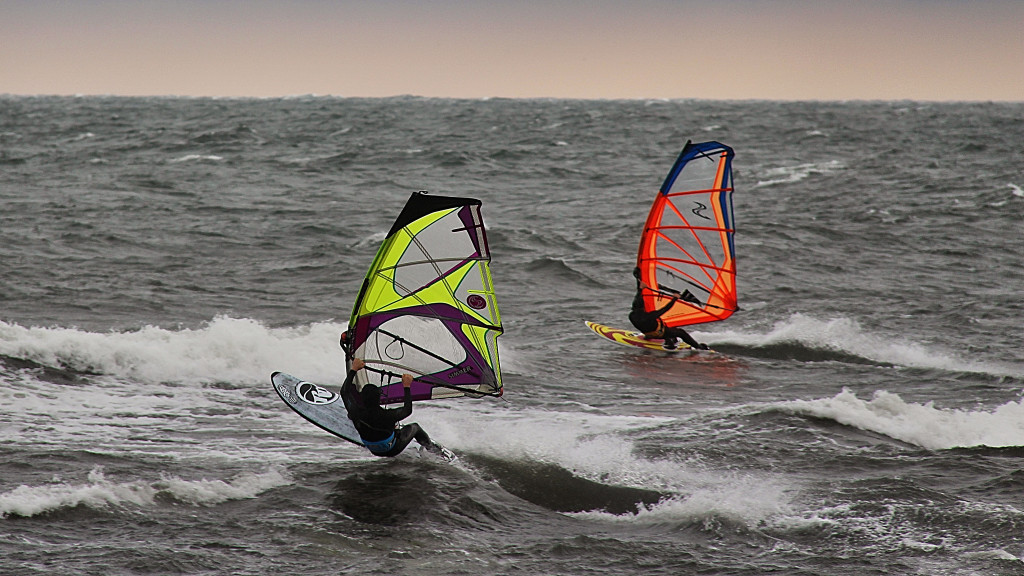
[161, 257]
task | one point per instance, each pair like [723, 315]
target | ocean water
[160, 257]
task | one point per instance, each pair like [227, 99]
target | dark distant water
[159, 258]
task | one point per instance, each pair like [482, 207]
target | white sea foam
[148, 384]
[849, 337]
[790, 174]
[593, 447]
[372, 240]
[920, 424]
[150, 387]
[236, 350]
[1017, 190]
[205, 492]
[747, 499]
[198, 158]
[225, 350]
[99, 492]
[997, 554]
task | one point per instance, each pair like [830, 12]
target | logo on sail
[460, 372]
[699, 210]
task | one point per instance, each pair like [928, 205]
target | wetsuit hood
[370, 394]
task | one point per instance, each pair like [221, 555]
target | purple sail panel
[431, 343]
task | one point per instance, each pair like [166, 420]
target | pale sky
[712, 49]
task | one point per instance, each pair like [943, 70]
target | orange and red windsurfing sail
[687, 243]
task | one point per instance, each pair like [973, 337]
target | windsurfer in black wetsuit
[377, 426]
[651, 324]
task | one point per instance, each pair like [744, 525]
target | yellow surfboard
[637, 340]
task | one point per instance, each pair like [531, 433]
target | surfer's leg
[652, 328]
[423, 439]
[673, 333]
[420, 435]
[414, 432]
[645, 322]
[408, 433]
[633, 319]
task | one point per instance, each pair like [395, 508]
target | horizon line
[311, 95]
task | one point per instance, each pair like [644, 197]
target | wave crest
[100, 493]
[923, 425]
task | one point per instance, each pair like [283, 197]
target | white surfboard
[327, 410]
[316, 404]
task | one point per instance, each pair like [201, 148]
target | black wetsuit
[650, 322]
[377, 425]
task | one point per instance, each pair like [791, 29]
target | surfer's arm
[406, 410]
[357, 365]
[667, 306]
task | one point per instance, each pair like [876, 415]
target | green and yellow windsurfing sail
[427, 305]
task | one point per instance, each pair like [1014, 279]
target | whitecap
[923, 425]
[790, 174]
[847, 336]
[224, 350]
[98, 492]
[198, 158]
